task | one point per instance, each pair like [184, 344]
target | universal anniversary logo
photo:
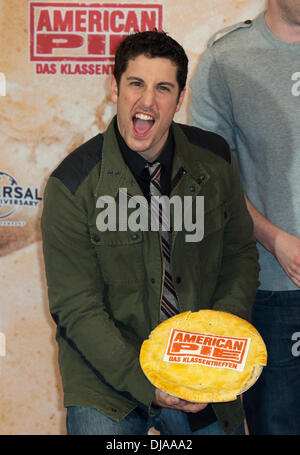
[14, 196]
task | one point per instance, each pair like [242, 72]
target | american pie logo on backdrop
[63, 33]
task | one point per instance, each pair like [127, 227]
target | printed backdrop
[55, 62]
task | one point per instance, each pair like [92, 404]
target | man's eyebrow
[136, 78]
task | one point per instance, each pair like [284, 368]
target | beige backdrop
[42, 119]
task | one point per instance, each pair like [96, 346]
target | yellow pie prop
[205, 357]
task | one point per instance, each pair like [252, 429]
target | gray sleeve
[210, 107]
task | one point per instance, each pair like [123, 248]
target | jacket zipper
[161, 253]
[162, 257]
[163, 276]
[163, 263]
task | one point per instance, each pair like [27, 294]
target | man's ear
[180, 99]
[113, 89]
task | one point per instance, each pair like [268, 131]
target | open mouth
[142, 124]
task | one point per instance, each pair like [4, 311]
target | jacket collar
[115, 174]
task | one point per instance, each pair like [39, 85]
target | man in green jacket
[111, 284]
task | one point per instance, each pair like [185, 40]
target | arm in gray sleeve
[211, 107]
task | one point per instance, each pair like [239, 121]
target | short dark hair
[152, 43]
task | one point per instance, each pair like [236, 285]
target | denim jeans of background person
[87, 421]
[106, 288]
[246, 88]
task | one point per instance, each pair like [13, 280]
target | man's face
[147, 100]
[290, 10]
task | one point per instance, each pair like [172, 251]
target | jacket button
[96, 238]
[178, 280]
[192, 189]
[152, 280]
[134, 236]
[200, 179]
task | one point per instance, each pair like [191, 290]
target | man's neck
[280, 25]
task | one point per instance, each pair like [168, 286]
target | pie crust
[205, 357]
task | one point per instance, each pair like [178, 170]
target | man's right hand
[164, 400]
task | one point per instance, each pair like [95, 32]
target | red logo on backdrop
[81, 38]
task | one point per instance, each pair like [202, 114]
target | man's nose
[148, 97]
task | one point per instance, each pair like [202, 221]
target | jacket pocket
[206, 255]
[120, 254]
[214, 221]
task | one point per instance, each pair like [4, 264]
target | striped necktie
[169, 303]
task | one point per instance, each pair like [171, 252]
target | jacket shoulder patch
[208, 140]
[225, 31]
[79, 163]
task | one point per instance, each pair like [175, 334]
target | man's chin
[142, 145]
[139, 144]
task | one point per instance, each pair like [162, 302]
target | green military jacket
[105, 287]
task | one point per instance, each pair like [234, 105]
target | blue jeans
[89, 421]
[272, 405]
